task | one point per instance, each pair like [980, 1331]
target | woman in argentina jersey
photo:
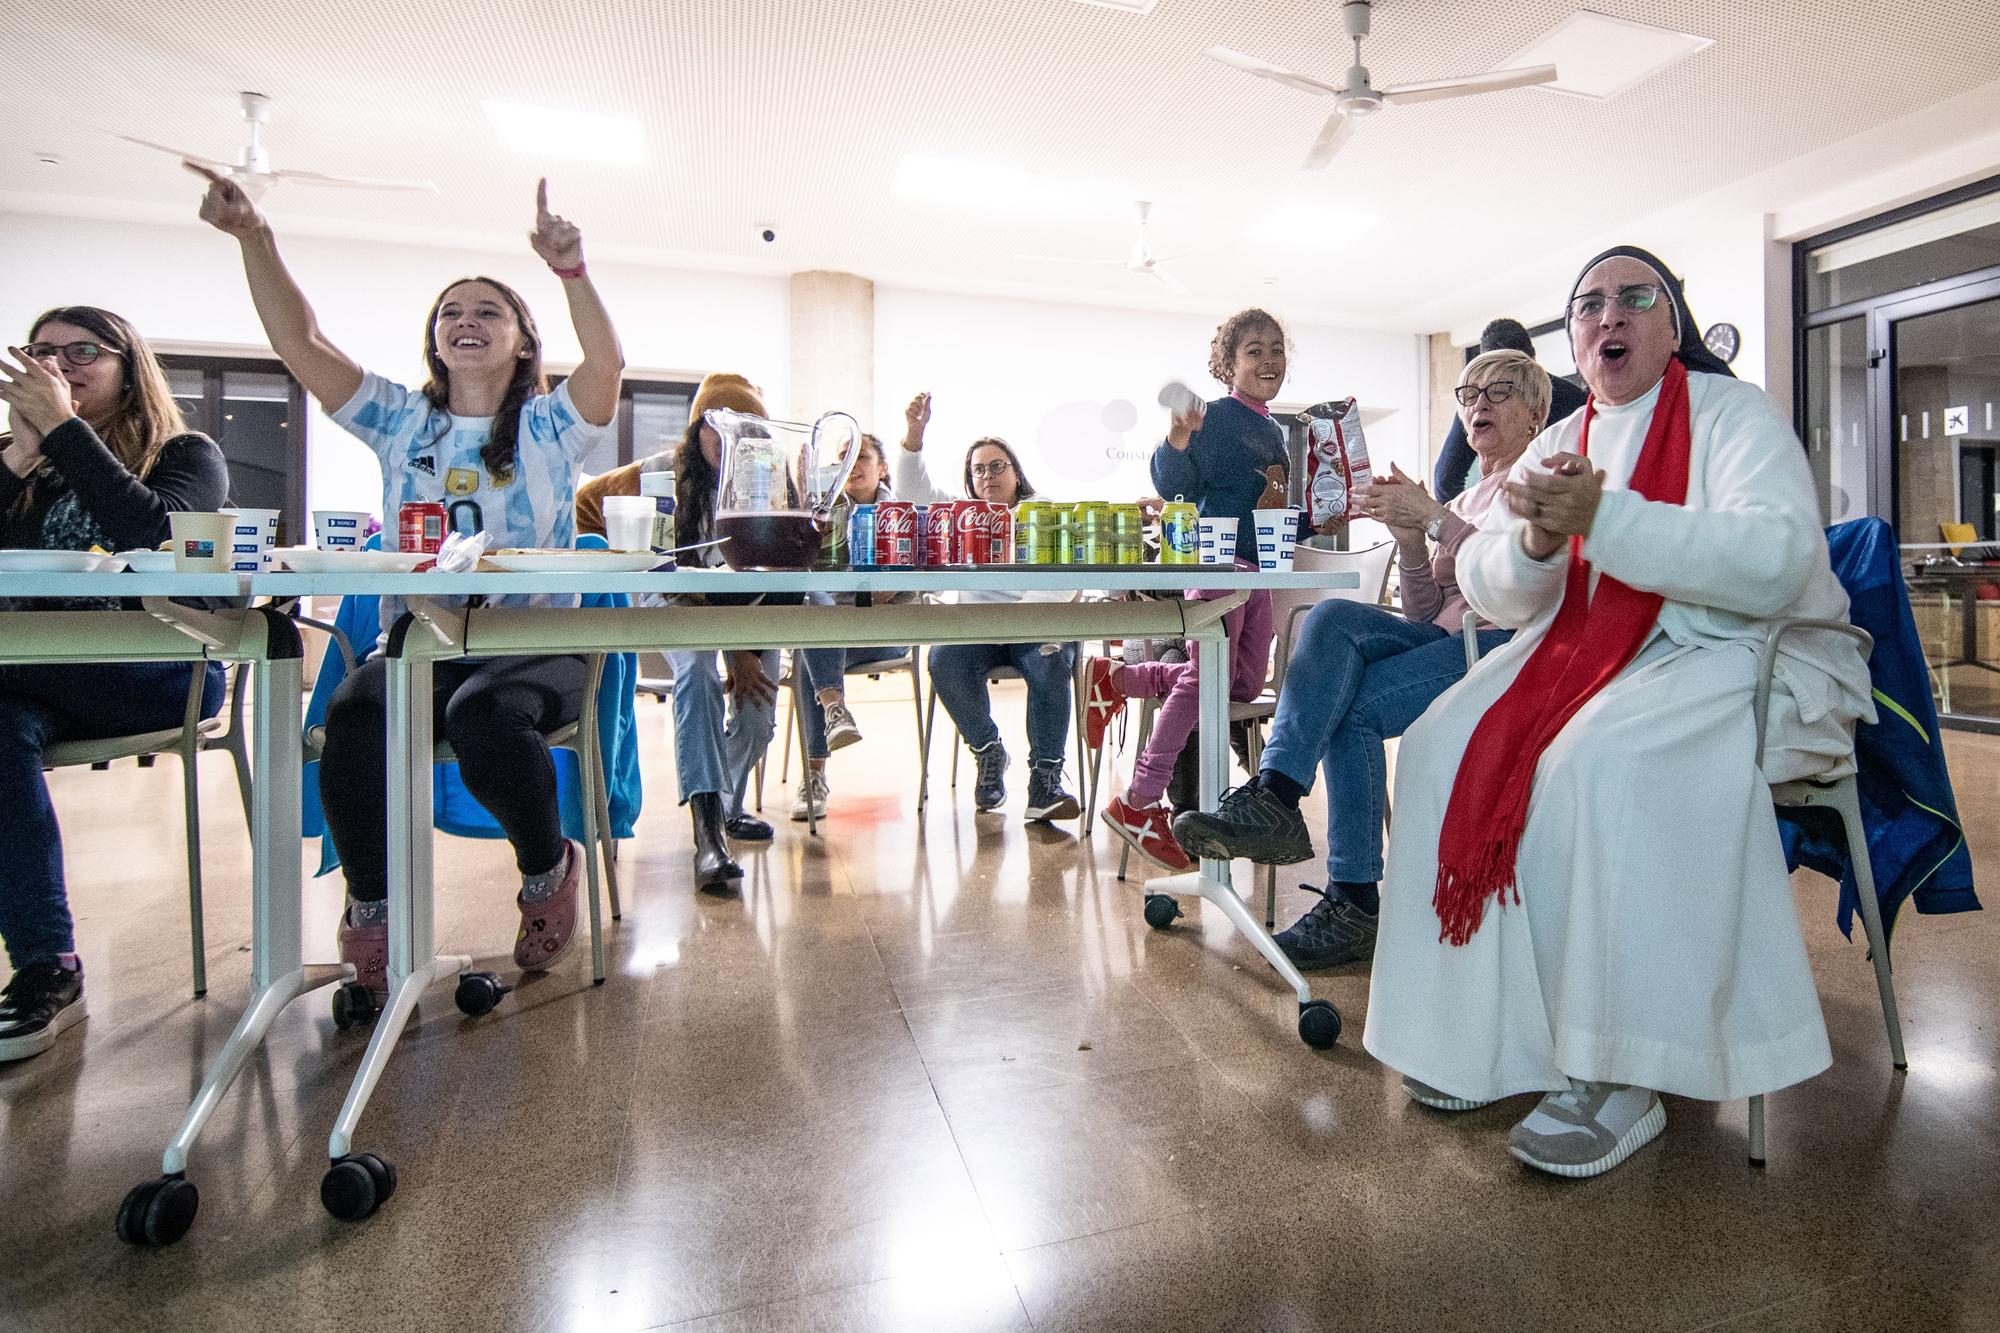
[484, 437]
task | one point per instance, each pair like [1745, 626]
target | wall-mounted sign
[1958, 420]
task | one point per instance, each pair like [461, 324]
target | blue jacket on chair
[1915, 845]
[453, 808]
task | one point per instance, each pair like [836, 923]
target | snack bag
[1336, 463]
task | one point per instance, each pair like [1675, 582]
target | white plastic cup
[628, 522]
[340, 529]
[253, 535]
[201, 541]
[1217, 538]
[1277, 538]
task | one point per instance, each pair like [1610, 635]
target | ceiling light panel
[545, 132]
[1598, 56]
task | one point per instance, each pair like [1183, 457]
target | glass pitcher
[776, 495]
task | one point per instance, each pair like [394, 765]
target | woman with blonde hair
[98, 455]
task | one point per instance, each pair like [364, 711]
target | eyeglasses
[1638, 298]
[998, 468]
[1499, 391]
[78, 354]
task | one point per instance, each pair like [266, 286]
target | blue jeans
[958, 674]
[1358, 675]
[43, 704]
[712, 756]
[817, 669]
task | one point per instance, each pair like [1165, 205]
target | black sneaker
[747, 828]
[1335, 931]
[989, 790]
[1251, 822]
[41, 1000]
[1046, 797]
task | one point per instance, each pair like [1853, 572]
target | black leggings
[493, 711]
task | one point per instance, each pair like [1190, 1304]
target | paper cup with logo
[628, 522]
[1217, 537]
[1277, 537]
[201, 541]
[253, 535]
[340, 529]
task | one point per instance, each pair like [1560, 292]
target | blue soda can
[861, 537]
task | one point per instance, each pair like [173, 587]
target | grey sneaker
[1335, 931]
[1425, 1095]
[989, 790]
[841, 730]
[1250, 822]
[1046, 797]
[1587, 1128]
[810, 803]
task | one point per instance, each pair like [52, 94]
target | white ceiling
[795, 113]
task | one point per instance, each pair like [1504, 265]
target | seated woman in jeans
[959, 670]
[98, 455]
[1360, 674]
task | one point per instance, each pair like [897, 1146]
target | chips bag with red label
[1336, 463]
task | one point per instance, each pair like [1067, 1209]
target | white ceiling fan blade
[1168, 259]
[211, 163]
[352, 182]
[1265, 70]
[1168, 281]
[1339, 128]
[1070, 259]
[1492, 81]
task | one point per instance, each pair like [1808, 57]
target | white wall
[1075, 388]
[1072, 387]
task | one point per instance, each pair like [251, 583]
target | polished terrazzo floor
[938, 1074]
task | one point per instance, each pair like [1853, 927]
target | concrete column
[833, 346]
[1446, 363]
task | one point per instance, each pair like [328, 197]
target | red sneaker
[1148, 832]
[1102, 699]
[547, 927]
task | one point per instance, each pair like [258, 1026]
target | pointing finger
[542, 196]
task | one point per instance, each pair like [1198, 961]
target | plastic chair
[1841, 794]
[792, 690]
[191, 738]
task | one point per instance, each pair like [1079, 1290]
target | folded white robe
[1655, 942]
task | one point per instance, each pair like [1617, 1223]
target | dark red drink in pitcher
[767, 540]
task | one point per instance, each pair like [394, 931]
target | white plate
[578, 562]
[148, 562]
[59, 562]
[311, 560]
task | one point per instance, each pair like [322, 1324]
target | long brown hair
[146, 416]
[528, 381]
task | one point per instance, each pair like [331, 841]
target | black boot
[714, 871]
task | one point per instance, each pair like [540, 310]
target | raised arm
[327, 373]
[593, 387]
[909, 478]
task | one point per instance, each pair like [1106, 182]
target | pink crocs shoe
[548, 926]
[367, 948]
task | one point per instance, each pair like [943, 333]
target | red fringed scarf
[1591, 641]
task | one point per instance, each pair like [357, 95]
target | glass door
[1943, 396]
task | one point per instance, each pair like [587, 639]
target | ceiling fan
[1357, 97]
[1140, 260]
[252, 171]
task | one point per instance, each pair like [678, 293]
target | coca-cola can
[420, 526]
[896, 534]
[999, 534]
[973, 522]
[940, 534]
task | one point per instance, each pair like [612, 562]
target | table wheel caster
[356, 1185]
[354, 1005]
[478, 992]
[1161, 911]
[1319, 1024]
[158, 1211]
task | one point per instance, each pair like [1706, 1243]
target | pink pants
[1174, 683]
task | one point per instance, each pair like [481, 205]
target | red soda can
[999, 534]
[940, 534]
[420, 527]
[973, 523]
[896, 534]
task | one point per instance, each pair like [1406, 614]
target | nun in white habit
[1585, 895]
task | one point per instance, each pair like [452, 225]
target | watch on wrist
[1435, 528]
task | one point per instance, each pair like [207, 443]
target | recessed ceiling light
[1312, 227]
[1598, 56]
[986, 185]
[547, 132]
